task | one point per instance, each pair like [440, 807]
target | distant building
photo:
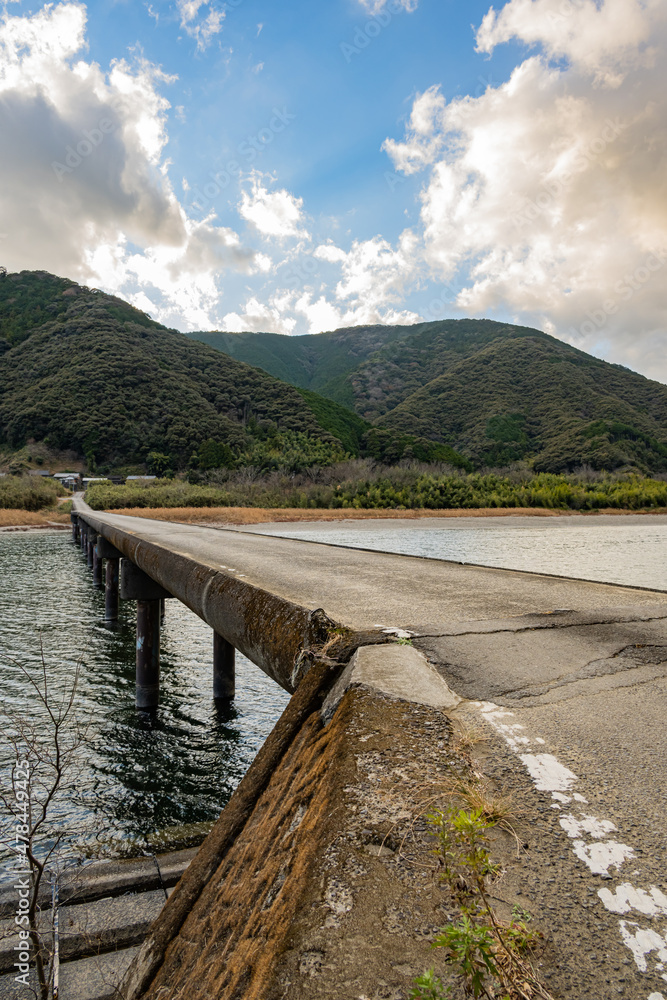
[130, 478]
[68, 478]
[39, 472]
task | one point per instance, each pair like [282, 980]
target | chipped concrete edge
[398, 671]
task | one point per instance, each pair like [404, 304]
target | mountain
[321, 362]
[495, 392]
[85, 371]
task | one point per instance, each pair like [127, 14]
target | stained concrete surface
[332, 889]
[106, 909]
[395, 671]
[93, 978]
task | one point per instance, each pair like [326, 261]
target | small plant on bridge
[489, 955]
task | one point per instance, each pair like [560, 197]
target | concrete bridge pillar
[111, 556]
[74, 518]
[97, 566]
[92, 540]
[135, 585]
[224, 673]
[82, 536]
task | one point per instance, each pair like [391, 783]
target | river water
[143, 781]
[626, 549]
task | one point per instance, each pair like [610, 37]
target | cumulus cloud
[374, 278]
[202, 28]
[84, 188]
[272, 316]
[549, 192]
[603, 39]
[374, 274]
[272, 213]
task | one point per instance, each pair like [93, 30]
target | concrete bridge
[305, 887]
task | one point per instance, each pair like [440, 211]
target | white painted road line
[588, 834]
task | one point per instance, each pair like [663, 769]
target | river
[626, 549]
[144, 781]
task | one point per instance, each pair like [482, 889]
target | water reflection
[142, 774]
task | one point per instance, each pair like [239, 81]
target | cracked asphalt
[568, 680]
[591, 695]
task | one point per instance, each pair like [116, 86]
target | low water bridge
[569, 679]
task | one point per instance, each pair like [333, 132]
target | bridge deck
[364, 589]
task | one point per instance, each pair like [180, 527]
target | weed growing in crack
[489, 955]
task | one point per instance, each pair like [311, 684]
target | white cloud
[202, 29]
[602, 38]
[550, 191]
[178, 282]
[285, 310]
[374, 274]
[374, 279]
[272, 213]
[376, 6]
[262, 317]
[424, 137]
[84, 187]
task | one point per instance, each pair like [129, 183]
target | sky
[297, 167]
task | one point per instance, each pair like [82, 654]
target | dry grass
[476, 796]
[257, 515]
[34, 519]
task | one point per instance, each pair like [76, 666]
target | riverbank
[221, 516]
[12, 520]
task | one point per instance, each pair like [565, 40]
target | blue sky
[297, 167]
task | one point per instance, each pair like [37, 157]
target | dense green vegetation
[319, 362]
[493, 392]
[536, 399]
[362, 485]
[27, 300]
[29, 492]
[87, 373]
[106, 382]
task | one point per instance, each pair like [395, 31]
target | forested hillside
[321, 362]
[497, 393]
[85, 372]
[105, 381]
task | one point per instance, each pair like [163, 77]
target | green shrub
[29, 492]
[361, 486]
